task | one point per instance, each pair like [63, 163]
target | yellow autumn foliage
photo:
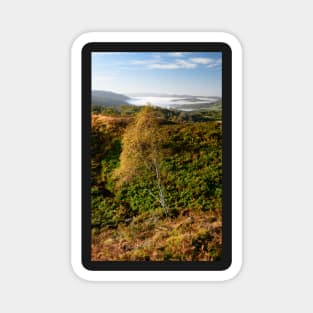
[140, 146]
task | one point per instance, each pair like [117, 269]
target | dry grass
[192, 236]
[110, 121]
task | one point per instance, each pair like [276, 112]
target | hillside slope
[128, 221]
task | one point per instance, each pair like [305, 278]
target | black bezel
[226, 258]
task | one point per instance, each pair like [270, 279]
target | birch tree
[141, 152]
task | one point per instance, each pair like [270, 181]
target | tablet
[156, 160]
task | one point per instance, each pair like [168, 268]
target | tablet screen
[156, 156]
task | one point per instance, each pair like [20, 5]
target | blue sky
[192, 73]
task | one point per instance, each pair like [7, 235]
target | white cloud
[166, 66]
[215, 63]
[185, 64]
[140, 62]
[176, 54]
[177, 63]
[202, 60]
[171, 66]
[156, 58]
[210, 63]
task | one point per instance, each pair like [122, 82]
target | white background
[35, 272]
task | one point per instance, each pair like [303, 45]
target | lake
[180, 103]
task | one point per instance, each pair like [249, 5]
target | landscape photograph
[156, 156]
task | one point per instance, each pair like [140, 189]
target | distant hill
[111, 99]
[108, 98]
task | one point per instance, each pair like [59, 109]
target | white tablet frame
[76, 174]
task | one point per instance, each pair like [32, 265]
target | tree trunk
[161, 194]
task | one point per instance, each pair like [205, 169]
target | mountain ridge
[103, 97]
